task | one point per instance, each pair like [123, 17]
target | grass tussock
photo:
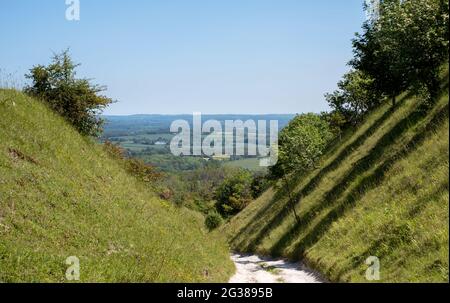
[61, 195]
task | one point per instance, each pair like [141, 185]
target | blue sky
[179, 56]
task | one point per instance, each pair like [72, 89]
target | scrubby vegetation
[75, 99]
[213, 220]
[234, 194]
[136, 167]
[214, 189]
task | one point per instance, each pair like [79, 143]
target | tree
[404, 47]
[77, 100]
[356, 95]
[378, 62]
[301, 144]
[235, 193]
[259, 184]
[336, 122]
[423, 42]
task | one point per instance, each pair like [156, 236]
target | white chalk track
[255, 269]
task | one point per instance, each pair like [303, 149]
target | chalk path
[255, 269]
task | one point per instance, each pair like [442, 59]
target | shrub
[213, 220]
[114, 150]
[144, 172]
[136, 167]
[77, 100]
[166, 194]
[355, 97]
[235, 193]
[259, 184]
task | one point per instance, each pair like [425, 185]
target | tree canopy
[301, 143]
[235, 193]
[77, 100]
[405, 46]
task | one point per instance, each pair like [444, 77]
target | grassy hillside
[382, 191]
[61, 196]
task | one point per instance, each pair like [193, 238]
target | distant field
[139, 133]
[143, 146]
[165, 136]
[154, 124]
[139, 147]
[250, 164]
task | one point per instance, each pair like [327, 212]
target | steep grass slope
[61, 196]
[382, 191]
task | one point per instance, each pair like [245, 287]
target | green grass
[382, 191]
[61, 196]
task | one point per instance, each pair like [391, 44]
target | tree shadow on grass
[423, 203]
[275, 213]
[369, 182]
[345, 153]
[273, 210]
[393, 236]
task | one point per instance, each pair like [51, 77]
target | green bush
[213, 220]
[136, 167]
[260, 184]
[301, 144]
[354, 98]
[405, 47]
[235, 193]
[77, 100]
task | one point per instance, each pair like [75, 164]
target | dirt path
[255, 269]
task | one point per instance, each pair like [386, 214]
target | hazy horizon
[203, 114]
[173, 57]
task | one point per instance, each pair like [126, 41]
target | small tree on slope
[77, 100]
[301, 143]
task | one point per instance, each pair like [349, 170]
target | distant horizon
[203, 114]
[186, 56]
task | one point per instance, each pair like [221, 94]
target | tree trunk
[291, 201]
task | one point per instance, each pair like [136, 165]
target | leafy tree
[77, 100]
[423, 42]
[259, 184]
[336, 121]
[235, 193]
[356, 95]
[405, 46]
[301, 143]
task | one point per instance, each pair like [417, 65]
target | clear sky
[184, 56]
